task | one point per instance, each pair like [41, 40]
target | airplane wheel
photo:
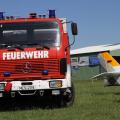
[111, 81]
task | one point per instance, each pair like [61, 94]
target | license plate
[26, 88]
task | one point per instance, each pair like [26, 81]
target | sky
[98, 20]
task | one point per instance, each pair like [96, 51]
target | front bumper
[36, 84]
[35, 87]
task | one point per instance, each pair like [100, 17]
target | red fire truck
[35, 57]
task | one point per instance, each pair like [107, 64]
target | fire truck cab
[35, 57]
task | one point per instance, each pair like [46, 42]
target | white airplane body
[111, 65]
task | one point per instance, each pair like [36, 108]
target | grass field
[93, 102]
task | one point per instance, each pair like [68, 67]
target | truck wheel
[68, 99]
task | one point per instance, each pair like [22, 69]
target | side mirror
[74, 28]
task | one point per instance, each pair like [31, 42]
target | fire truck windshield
[30, 33]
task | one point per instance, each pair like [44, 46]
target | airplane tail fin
[108, 62]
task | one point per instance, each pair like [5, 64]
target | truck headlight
[2, 85]
[55, 84]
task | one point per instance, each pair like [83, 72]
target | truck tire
[68, 99]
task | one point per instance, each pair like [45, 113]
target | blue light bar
[52, 14]
[1, 15]
[45, 72]
[6, 73]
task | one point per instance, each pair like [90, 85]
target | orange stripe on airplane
[109, 59]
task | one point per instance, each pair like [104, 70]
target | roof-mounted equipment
[33, 15]
[52, 14]
[1, 15]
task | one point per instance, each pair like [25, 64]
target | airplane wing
[106, 75]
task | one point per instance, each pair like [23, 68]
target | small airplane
[112, 66]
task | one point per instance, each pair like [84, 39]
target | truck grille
[30, 66]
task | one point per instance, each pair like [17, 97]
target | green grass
[93, 102]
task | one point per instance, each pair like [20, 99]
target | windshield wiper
[3, 45]
[19, 47]
[12, 47]
[31, 44]
[46, 47]
[38, 46]
[42, 47]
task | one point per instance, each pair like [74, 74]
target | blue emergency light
[45, 72]
[6, 73]
[52, 14]
[1, 15]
